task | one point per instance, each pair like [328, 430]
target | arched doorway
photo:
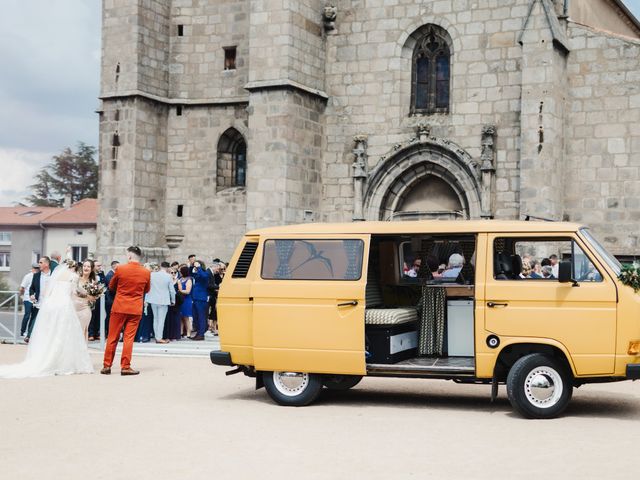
[424, 180]
[430, 198]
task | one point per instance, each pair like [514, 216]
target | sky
[49, 84]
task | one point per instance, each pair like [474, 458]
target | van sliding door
[308, 304]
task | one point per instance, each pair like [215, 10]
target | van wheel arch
[510, 354]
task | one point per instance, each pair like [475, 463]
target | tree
[70, 173]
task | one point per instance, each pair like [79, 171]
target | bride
[57, 345]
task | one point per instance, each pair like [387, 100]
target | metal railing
[15, 298]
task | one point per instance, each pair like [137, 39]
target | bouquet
[94, 289]
[630, 276]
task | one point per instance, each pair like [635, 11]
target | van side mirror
[565, 274]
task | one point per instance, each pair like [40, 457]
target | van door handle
[352, 303]
[496, 305]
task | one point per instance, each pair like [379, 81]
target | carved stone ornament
[359, 175]
[329, 15]
[487, 155]
[423, 130]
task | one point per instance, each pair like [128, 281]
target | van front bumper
[219, 357]
[633, 371]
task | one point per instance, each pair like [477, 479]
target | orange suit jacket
[130, 282]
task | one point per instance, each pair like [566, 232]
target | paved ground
[182, 418]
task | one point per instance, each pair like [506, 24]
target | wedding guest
[434, 266]
[94, 325]
[191, 260]
[200, 297]
[37, 291]
[173, 325]
[82, 301]
[212, 290]
[161, 295]
[143, 334]
[25, 285]
[456, 262]
[554, 264]
[185, 284]
[547, 272]
[54, 260]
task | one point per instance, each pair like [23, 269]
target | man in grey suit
[161, 295]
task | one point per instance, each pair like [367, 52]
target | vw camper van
[534, 305]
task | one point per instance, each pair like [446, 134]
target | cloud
[23, 165]
[50, 53]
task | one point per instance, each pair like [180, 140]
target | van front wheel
[538, 386]
[292, 389]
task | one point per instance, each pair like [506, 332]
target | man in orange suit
[130, 283]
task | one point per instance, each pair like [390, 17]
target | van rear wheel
[539, 386]
[341, 382]
[292, 389]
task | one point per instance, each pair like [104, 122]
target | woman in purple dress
[185, 284]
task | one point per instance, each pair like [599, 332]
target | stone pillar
[359, 176]
[286, 109]
[544, 89]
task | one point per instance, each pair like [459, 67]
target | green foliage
[70, 173]
[630, 276]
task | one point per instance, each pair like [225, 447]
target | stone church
[220, 116]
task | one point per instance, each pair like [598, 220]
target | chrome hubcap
[543, 387]
[291, 383]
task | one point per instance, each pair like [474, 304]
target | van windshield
[606, 256]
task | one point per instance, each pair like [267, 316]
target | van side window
[286, 259]
[539, 258]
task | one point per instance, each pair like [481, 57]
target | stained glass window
[431, 71]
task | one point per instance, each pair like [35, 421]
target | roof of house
[84, 212]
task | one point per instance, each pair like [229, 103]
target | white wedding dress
[57, 345]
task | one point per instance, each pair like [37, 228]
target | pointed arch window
[232, 160]
[431, 71]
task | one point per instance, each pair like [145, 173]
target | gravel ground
[182, 419]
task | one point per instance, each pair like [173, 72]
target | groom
[130, 283]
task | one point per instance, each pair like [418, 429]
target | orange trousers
[118, 322]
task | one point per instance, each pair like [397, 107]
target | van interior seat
[376, 313]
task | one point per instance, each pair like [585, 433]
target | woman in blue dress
[185, 284]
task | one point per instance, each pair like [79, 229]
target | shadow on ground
[589, 404]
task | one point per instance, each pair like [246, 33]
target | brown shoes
[164, 340]
[129, 371]
[197, 337]
[106, 371]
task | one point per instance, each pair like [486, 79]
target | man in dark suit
[109, 295]
[37, 291]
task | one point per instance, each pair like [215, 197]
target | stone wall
[369, 85]
[285, 148]
[603, 137]
[197, 58]
[213, 218]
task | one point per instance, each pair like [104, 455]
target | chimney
[67, 202]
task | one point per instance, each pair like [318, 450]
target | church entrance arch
[425, 180]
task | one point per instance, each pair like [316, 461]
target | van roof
[420, 226]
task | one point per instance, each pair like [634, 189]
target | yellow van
[534, 305]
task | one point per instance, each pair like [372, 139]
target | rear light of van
[634, 347]
[244, 261]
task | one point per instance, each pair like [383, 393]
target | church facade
[220, 116]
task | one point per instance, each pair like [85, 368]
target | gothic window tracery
[431, 72]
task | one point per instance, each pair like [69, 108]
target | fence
[6, 297]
